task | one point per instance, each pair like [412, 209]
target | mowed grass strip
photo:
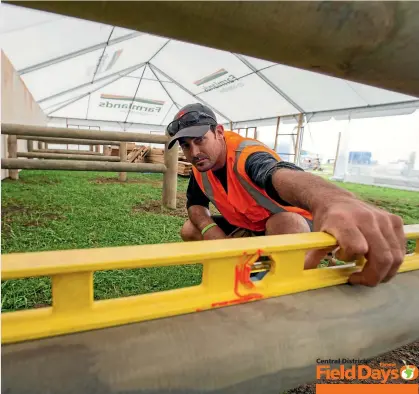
[58, 210]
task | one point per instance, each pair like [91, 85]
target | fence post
[170, 176]
[30, 145]
[123, 159]
[12, 154]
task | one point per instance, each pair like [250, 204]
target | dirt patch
[408, 353]
[34, 216]
[101, 181]
[155, 206]
[10, 210]
[41, 305]
[43, 220]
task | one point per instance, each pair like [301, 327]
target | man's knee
[189, 232]
[286, 223]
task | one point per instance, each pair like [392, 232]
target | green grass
[57, 210]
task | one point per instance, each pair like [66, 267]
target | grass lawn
[53, 210]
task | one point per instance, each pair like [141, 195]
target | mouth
[201, 161]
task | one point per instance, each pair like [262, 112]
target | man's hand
[359, 228]
[363, 230]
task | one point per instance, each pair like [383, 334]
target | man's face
[204, 152]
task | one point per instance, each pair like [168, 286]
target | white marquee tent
[85, 70]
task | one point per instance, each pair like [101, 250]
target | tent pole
[231, 126]
[276, 133]
[337, 153]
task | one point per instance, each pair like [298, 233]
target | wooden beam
[7, 128]
[65, 141]
[81, 165]
[61, 156]
[297, 143]
[371, 42]
[68, 152]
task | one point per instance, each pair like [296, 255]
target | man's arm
[360, 229]
[198, 211]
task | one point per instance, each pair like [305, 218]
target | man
[255, 190]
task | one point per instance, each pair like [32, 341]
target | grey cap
[197, 130]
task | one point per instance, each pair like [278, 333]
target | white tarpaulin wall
[86, 70]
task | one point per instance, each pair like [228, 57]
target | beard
[203, 165]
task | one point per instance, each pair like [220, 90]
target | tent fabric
[87, 70]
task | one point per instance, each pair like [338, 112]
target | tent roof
[87, 70]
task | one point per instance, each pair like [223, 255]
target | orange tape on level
[242, 275]
[367, 388]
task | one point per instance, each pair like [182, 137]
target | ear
[219, 131]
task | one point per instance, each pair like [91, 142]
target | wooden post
[90, 148]
[46, 145]
[297, 144]
[170, 176]
[12, 154]
[247, 132]
[256, 133]
[30, 145]
[337, 154]
[231, 126]
[276, 133]
[123, 159]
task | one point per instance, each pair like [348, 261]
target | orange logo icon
[409, 372]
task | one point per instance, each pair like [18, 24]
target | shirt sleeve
[260, 167]
[194, 194]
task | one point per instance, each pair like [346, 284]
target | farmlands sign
[125, 103]
[221, 79]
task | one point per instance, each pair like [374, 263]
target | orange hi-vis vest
[245, 204]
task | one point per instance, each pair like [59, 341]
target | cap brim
[190, 132]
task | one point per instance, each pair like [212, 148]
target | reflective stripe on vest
[263, 201]
[208, 188]
[257, 196]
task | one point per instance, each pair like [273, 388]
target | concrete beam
[263, 347]
[369, 42]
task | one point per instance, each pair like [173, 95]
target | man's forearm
[305, 190]
[201, 217]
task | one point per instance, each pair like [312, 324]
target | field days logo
[124, 103]
[219, 80]
[384, 374]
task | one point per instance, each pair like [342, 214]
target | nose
[194, 149]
